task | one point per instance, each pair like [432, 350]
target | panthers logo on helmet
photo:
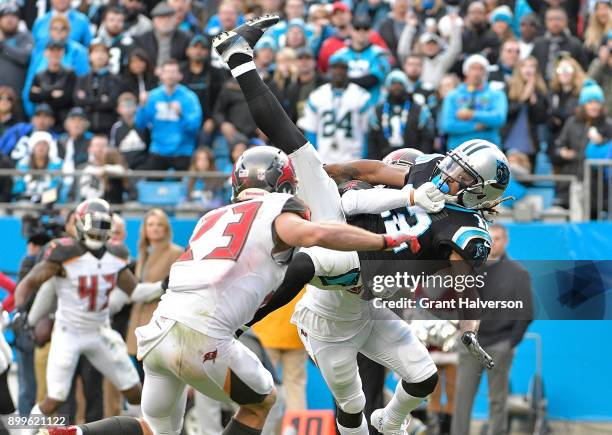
[502, 175]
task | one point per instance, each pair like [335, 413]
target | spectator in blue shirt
[79, 24]
[473, 110]
[174, 115]
[368, 63]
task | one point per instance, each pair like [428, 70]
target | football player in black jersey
[471, 177]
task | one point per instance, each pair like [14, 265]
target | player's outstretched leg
[113, 425]
[236, 48]
[408, 396]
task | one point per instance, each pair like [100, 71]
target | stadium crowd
[109, 86]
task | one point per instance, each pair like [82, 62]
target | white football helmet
[482, 171]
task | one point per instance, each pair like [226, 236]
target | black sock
[236, 428]
[349, 421]
[114, 425]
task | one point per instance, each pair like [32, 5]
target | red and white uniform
[82, 320]
[232, 264]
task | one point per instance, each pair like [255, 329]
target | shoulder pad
[297, 206]
[118, 249]
[61, 250]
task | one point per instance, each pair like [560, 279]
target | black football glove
[471, 343]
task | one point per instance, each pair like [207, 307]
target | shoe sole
[224, 37]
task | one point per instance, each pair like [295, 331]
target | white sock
[361, 430]
[36, 410]
[400, 406]
[133, 410]
[243, 68]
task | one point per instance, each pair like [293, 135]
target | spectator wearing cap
[376, 10]
[203, 79]
[477, 37]
[368, 63]
[174, 116]
[15, 48]
[31, 187]
[165, 41]
[136, 22]
[9, 109]
[296, 35]
[556, 41]
[265, 53]
[391, 27]
[15, 140]
[111, 32]
[97, 91]
[75, 57]
[399, 121]
[474, 110]
[341, 21]
[294, 9]
[598, 27]
[530, 26]
[185, 19]
[437, 60]
[55, 84]
[585, 135]
[500, 74]
[131, 142]
[501, 23]
[307, 80]
[72, 145]
[601, 69]
[336, 115]
[79, 24]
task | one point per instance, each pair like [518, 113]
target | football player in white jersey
[336, 115]
[394, 346]
[85, 269]
[237, 256]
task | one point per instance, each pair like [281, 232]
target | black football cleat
[243, 38]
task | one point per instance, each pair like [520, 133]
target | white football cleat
[378, 421]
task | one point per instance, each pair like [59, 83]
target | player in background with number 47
[86, 269]
[336, 116]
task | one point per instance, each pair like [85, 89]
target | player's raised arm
[40, 273]
[296, 231]
[371, 171]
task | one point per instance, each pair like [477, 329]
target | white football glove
[117, 298]
[6, 355]
[147, 291]
[429, 198]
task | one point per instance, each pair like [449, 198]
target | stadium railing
[598, 189]
[536, 185]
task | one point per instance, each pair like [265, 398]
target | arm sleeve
[300, 271]
[373, 201]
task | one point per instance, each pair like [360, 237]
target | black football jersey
[455, 228]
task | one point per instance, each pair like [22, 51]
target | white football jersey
[86, 281]
[230, 266]
[339, 117]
